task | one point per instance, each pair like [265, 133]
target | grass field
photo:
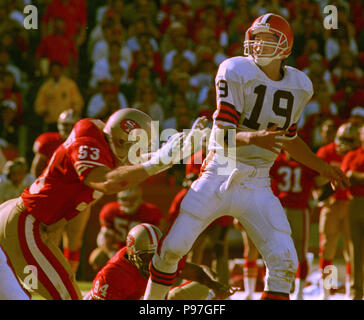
[84, 286]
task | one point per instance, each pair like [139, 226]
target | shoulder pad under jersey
[299, 79]
[239, 69]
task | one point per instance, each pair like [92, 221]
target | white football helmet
[130, 199]
[142, 242]
[121, 125]
[347, 138]
[66, 121]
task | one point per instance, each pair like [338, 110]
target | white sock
[155, 291]
[299, 286]
[249, 285]
[347, 285]
[325, 292]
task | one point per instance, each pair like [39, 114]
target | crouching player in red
[293, 183]
[117, 218]
[94, 160]
[125, 276]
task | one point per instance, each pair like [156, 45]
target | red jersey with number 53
[115, 219]
[292, 182]
[60, 192]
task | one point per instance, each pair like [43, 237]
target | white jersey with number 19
[248, 101]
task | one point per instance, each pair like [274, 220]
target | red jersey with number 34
[292, 182]
[121, 280]
[60, 192]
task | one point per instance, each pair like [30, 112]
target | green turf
[83, 285]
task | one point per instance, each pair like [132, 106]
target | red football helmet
[278, 26]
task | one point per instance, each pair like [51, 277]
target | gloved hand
[166, 156]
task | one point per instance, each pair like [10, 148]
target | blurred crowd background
[96, 56]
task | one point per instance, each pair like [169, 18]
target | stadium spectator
[174, 14]
[103, 66]
[12, 92]
[340, 39]
[318, 73]
[55, 95]
[151, 58]
[59, 47]
[180, 113]
[141, 32]
[8, 124]
[74, 13]
[111, 33]
[181, 47]
[107, 100]
[14, 179]
[6, 65]
[348, 95]
[147, 101]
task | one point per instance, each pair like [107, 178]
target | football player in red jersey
[259, 102]
[353, 165]
[94, 160]
[125, 276]
[44, 147]
[117, 218]
[293, 184]
[334, 213]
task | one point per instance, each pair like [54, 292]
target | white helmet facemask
[263, 59]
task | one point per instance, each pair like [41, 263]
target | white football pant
[246, 195]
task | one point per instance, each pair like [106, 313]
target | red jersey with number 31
[60, 192]
[292, 182]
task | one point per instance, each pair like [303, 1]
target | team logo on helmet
[130, 241]
[128, 125]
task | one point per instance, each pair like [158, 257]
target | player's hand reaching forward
[222, 292]
[267, 139]
[336, 176]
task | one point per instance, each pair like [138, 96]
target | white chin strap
[263, 61]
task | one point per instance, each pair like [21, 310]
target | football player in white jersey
[260, 100]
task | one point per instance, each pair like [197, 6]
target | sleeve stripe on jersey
[292, 130]
[229, 107]
[81, 169]
[227, 112]
[228, 119]
[293, 127]
[89, 162]
[223, 111]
